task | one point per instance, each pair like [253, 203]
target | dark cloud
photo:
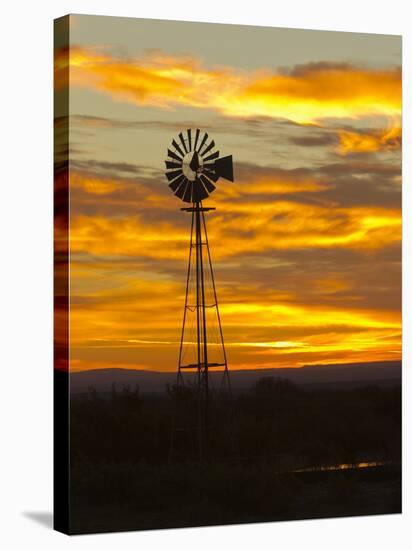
[250, 127]
[314, 67]
[247, 172]
[315, 140]
[347, 183]
[368, 281]
[114, 168]
[361, 168]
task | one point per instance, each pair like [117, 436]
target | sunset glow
[305, 243]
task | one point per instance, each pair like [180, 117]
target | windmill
[193, 167]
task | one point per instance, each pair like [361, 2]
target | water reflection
[346, 466]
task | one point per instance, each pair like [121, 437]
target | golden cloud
[279, 226]
[131, 318]
[268, 185]
[356, 142]
[306, 96]
[293, 225]
[245, 221]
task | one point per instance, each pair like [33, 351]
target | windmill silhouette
[193, 167]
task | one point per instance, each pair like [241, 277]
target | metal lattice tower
[192, 173]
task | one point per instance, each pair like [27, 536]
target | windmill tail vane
[193, 168]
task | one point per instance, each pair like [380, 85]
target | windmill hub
[192, 165]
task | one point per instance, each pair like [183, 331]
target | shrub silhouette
[120, 442]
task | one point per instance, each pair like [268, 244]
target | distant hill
[345, 374]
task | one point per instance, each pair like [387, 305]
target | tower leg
[225, 377]
[199, 323]
[203, 365]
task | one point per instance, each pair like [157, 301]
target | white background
[26, 272]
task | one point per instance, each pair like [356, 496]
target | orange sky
[305, 243]
[304, 97]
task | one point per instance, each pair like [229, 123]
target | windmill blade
[173, 155]
[189, 138]
[182, 139]
[172, 175]
[208, 148]
[170, 165]
[187, 197]
[203, 194]
[199, 192]
[203, 142]
[210, 174]
[196, 139]
[207, 183]
[177, 182]
[213, 156]
[224, 168]
[177, 147]
[182, 189]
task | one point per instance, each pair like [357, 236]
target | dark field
[123, 476]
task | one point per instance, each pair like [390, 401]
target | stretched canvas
[227, 274]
